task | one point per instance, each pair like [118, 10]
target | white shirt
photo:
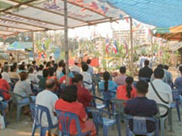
[6, 76]
[87, 77]
[90, 70]
[33, 78]
[164, 90]
[75, 68]
[39, 73]
[58, 72]
[48, 99]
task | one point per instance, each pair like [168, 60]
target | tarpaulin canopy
[41, 15]
[161, 13]
[20, 45]
[171, 33]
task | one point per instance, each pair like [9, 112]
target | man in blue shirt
[178, 82]
[142, 106]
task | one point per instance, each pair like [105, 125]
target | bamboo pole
[66, 40]
[131, 44]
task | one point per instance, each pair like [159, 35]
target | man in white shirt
[48, 99]
[163, 89]
[90, 68]
[87, 79]
[5, 74]
[40, 72]
[75, 68]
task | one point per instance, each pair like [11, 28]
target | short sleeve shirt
[5, 86]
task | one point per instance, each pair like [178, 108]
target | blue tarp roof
[161, 13]
[20, 45]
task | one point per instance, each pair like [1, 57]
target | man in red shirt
[5, 87]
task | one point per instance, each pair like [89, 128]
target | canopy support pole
[66, 40]
[131, 50]
[33, 45]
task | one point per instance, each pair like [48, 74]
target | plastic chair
[176, 99]
[96, 80]
[3, 113]
[65, 118]
[139, 126]
[18, 104]
[37, 112]
[104, 122]
[100, 105]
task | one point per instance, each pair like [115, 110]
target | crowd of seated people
[141, 98]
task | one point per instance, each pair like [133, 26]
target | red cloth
[84, 96]
[63, 80]
[122, 93]
[74, 107]
[94, 62]
[5, 86]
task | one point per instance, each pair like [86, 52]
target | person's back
[5, 74]
[169, 78]
[5, 87]
[75, 67]
[178, 81]
[145, 71]
[120, 80]
[142, 106]
[163, 89]
[90, 68]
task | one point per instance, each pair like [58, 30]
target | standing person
[5, 74]
[84, 95]
[87, 79]
[90, 68]
[145, 72]
[48, 99]
[120, 80]
[75, 68]
[169, 77]
[178, 81]
[163, 90]
[126, 92]
[59, 69]
[69, 103]
[142, 106]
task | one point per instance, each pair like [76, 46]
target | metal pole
[131, 44]
[33, 45]
[66, 40]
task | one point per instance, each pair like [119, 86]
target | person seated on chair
[142, 106]
[90, 68]
[13, 73]
[42, 81]
[32, 78]
[87, 79]
[75, 68]
[69, 103]
[5, 73]
[178, 82]
[59, 69]
[145, 72]
[163, 90]
[120, 80]
[169, 76]
[63, 79]
[107, 84]
[48, 99]
[126, 92]
[40, 72]
[84, 96]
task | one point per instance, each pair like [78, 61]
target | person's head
[44, 63]
[84, 67]
[106, 77]
[23, 76]
[51, 71]
[29, 65]
[0, 75]
[55, 67]
[166, 67]
[45, 73]
[30, 70]
[142, 88]
[61, 63]
[122, 70]
[129, 82]
[70, 93]
[160, 66]
[158, 73]
[76, 62]
[22, 67]
[64, 71]
[48, 64]
[0, 65]
[6, 68]
[146, 62]
[23, 63]
[41, 67]
[53, 62]
[78, 79]
[12, 68]
[15, 65]
[50, 84]
[34, 62]
[88, 61]
[180, 69]
[6, 63]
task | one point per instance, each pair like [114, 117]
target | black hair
[180, 69]
[15, 65]
[22, 67]
[159, 73]
[45, 73]
[64, 71]
[142, 87]
[50, 85]
[12, 68]
[160, 66]
[129, 81]
[122, 70]
[146, 62]
[41, 67]
[55, 67]
[34, 62]
[30, 69]
[88, 61]
[77, 78]
[0, 76]
[48, 64]
[6, 63]
[61, 63]
[106, 77]
[28, 66]
[45, 62]
[84, 67]
[51, 71]
[70, 93]
[23, 76]
[166, 67]
[53, 62]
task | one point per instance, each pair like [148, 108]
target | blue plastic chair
[96, 80]
[146, 79]
[176, 99]
[3, 113]
[65, 118]
[139, 126]
[37, 112]
[100, 105]
[104, 122]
